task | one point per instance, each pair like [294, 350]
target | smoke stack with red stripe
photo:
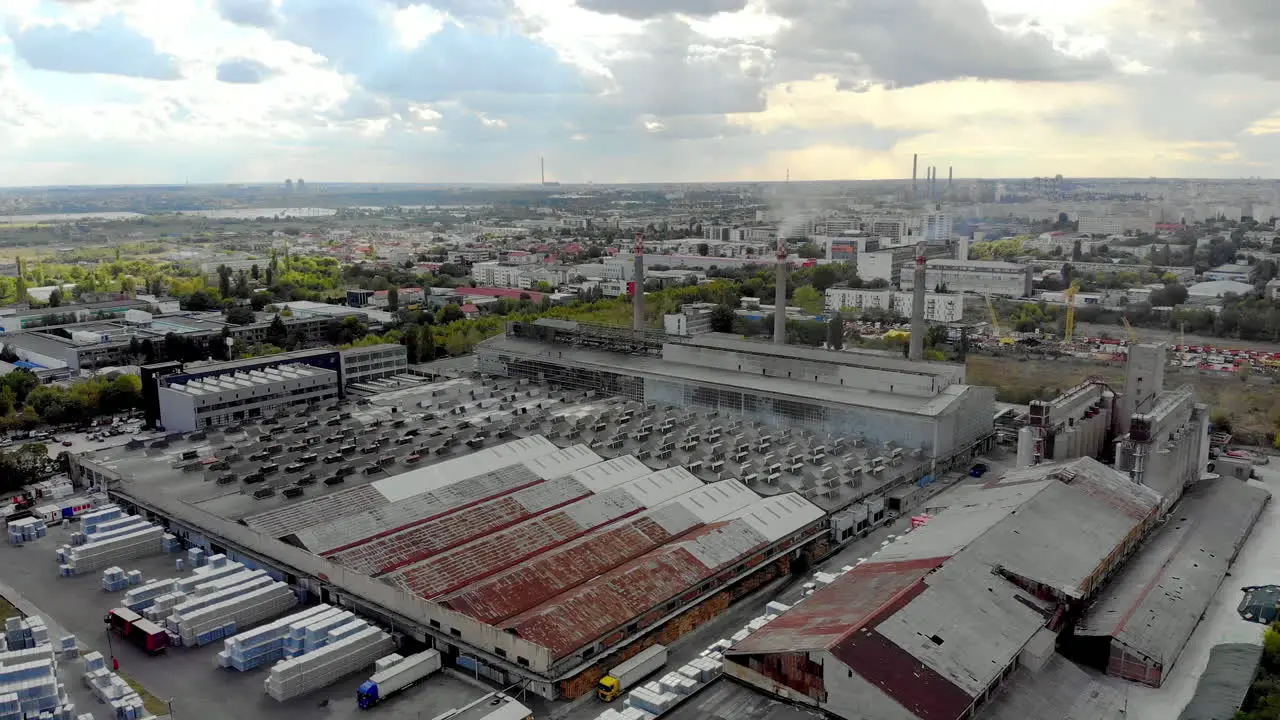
[637, 300]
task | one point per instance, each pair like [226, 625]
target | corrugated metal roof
[452, 570]
[839, 609]
[899, 675]
[602, 476]
[1154, 604]
[434, 477]
[308, 513]
[779, 516]
[967, 626]
[716, 500]
[453, 528]
[591, 610]
[1225, 682]
[363, 526]
[965, 513]
[656, 488]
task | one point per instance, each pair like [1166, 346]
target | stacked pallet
[112, 690]
[261, 646]
[89, 521]
[105, 549]
[114, 580]
[144, 595]
[22, 633]
[204, 575]
[196, 557]
[26, 530]
[313, 634]
[34, 684]
[237, 607]
[162, 607]
[170, 543]
[309, 672]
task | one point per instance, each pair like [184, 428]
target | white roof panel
[434, 477]
[778, 516]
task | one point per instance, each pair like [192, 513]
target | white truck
[628, 674]
[397, 677]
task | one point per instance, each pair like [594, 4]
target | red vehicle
[138, 630]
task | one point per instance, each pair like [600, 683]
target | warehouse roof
[1058, 691]
[1225, 682]
[733, 343]
[246, 379]
[591, 610]
[931, 406]
[840, 609]
[433, 477]
[456, 568]
[1155, 602]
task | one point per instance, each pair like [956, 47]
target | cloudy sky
[158, 91]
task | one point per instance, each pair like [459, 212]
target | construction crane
[1133, 336]
[995, 323]
[1071, 310]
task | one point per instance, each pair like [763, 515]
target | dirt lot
[1252, 407]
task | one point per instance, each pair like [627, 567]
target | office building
[973, 276]
[693, 319]
[938, 308]
[373, 362]
[231, 397]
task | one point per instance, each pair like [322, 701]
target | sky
[213, 91]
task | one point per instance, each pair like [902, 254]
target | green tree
[722, 317]
[808, 299]
[278, 332]
[20, 382]
[835, 332]
[936, 335]
[240, 315]
[449, 313]
[224, 281]
[703, 249]
[55, 298]
[393, 298]
[254, 272]
[242, 284]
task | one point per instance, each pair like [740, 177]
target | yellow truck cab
[609, 688]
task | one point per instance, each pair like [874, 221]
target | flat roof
[657, 368]
[1155, 602]
[852, 358]
[245, 379]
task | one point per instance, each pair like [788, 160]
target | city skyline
[156, 92]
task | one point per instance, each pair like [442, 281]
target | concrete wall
[177, 411]
[852, 697]
[861, 378]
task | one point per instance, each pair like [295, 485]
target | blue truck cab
[367, 695]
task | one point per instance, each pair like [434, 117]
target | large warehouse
[462, 523]
[914, 405]
[936, 622]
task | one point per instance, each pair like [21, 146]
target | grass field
[153, 704]
[1253, 409]
[7, 610]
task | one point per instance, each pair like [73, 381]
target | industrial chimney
[915, 168]
[637, 300]
[916, 349]
[780, 296]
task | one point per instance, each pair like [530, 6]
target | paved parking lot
[199, 689]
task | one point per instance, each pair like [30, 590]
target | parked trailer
[401, 676]
[138, 630]
[631, 672]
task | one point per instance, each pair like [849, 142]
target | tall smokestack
[916, 349]
[915, 167]
[542, 161]
[951, 175]
[637, 300]
[780, 296]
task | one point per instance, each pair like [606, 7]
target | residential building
[693, 319]
[887, 263]
[1273, 290]
[938, 307]
[936, 227]
[491, 274]
[1238, 272]
[975, 276]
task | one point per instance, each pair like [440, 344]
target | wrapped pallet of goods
[263, 645]
[141, 597]
[101, 553]
[245, 609]
[309, 672]
[204, 575]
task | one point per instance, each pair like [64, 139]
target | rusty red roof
[564, 568]
[912, 684]
[454, 527]
[851, 601]
[494, 552]
[592, 610]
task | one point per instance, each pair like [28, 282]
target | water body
[254, 213]
[68, 217]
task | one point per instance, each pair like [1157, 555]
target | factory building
[235, 396]
[938, 307]
[918, 406]
[985, 277]
[463, 525]
[1077, 423]
[1138, 625]
[936, 623]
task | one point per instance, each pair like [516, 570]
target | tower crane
[1133, 335]
[995, 323]
[1071, 310]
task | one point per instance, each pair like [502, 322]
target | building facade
[938, 307]
[231, 398]
[974, 276]
[362, 364]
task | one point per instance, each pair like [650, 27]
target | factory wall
[862, 378]
[913, 431]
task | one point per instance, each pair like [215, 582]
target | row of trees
[24, 402]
